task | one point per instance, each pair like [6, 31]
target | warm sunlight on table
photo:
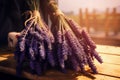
[108, 70]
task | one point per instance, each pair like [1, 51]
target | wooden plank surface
[109, 70]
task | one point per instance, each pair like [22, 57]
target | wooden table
[109, 70]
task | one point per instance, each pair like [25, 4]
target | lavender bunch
[71, 40]
[35, 42]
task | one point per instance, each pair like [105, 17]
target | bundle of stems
[35, 42]
[73, 45]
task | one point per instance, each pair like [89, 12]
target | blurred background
[101, 18]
